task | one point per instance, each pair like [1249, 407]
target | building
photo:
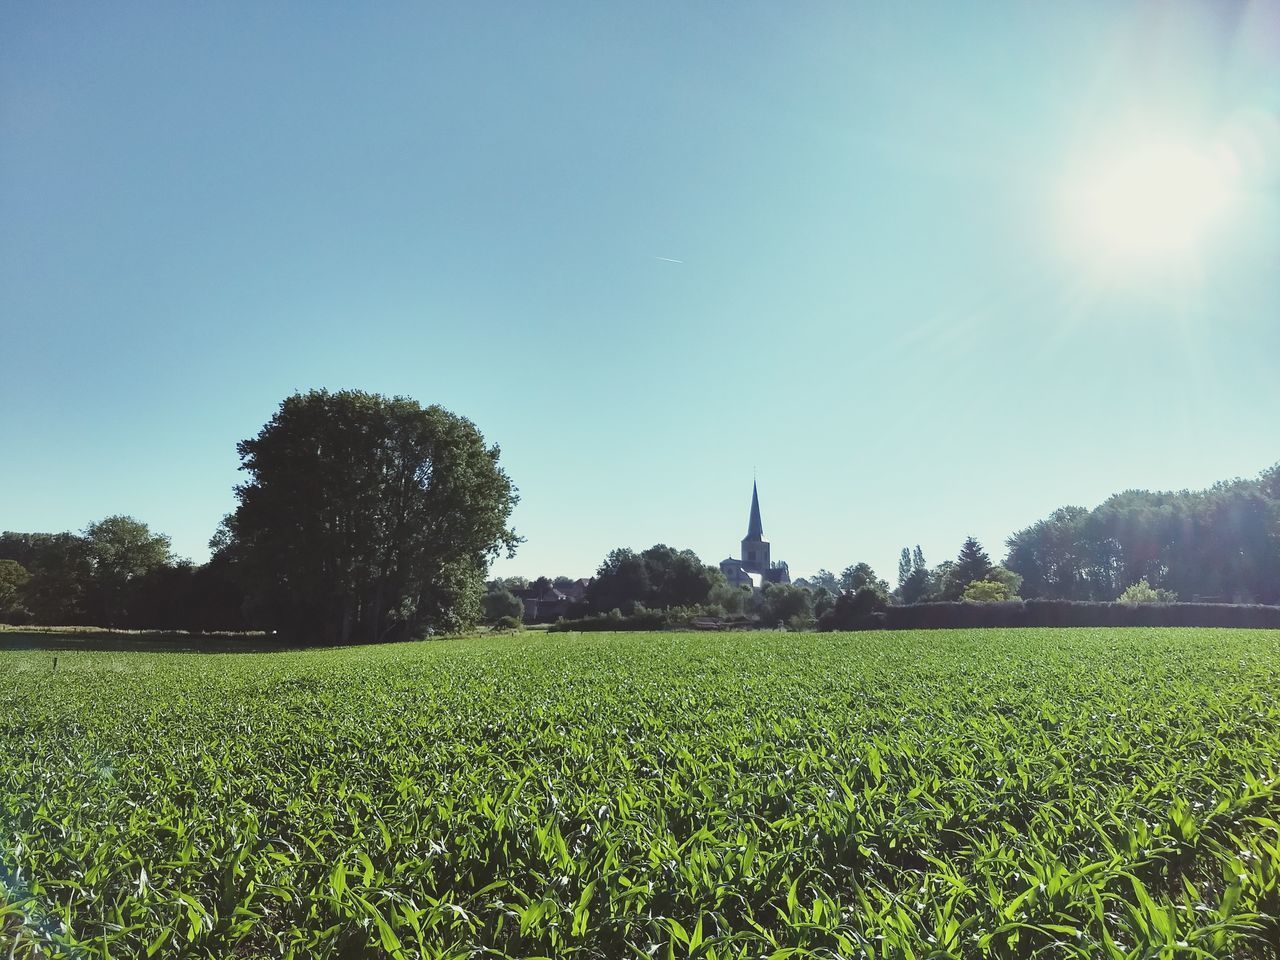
[544, 602]
[754, 569]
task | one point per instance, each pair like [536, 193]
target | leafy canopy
[367, 517]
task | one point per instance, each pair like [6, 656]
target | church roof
[755, 531]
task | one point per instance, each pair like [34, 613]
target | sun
[1148, 206]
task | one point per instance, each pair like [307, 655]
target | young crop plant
[970, 794]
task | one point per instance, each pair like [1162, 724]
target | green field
[1037, 793]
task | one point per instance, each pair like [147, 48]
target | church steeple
[755, 548]
[755, 531]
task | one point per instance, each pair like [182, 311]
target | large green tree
[367, 517]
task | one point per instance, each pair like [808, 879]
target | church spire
[755, 531]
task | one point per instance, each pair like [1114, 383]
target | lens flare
[1151, 205]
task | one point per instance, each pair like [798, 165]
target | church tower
[755, 548]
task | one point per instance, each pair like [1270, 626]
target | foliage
[61, 579]
[999, 585]
[855, 611]
[120, 574]
[508, 623]
[913, 576]
[822, 580]
[1012, 582]
[1143, 592]
[988, 591]
[940, 583]
[121, 551]
[658, 578]
[972, 564]
[1067, 794]
[785, 603]
[501, 603]
[1222, 543]
[854, 578]
[366, 517]
[13, 581]
[727, 597]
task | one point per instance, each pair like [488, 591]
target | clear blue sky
[879, 305]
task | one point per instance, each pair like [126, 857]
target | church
[754, 569]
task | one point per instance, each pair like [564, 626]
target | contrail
[669, 259]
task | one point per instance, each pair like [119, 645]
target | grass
[1032, 793]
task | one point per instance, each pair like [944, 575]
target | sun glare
[1150, 206]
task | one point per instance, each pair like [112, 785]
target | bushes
[1143, 592]
[863, 610]
[640, 619]
[1056, 613]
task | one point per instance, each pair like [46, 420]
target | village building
[754, 568]
[545, 602]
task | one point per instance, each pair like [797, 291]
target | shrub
[862, 610]
[987, 591]
[508, 623]
[1143, 592]
[501, 604]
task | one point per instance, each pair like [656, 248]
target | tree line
[1215, 545]
[362, 518]
[367, 518]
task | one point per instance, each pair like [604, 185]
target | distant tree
[621, 582]
[1270, 482]
[860, 575]
[501, 603]
[785, 603]
[659, 578]
[727, 597]
[1143, 592]
[824, 600]
[678, 578]
[972, 564]
[1055, 558]
[1223, 542]
[367, 518]
[988, 591]
[854, 610]
[940, 583]
[13, 581]
[562, 583]
[61, 572]
[824, 580]
[121, 552]
[516, 583]
[913, 576]
[20, 547]
[1011, 581]
[541, 586]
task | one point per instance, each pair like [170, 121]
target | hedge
[1060, 613]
